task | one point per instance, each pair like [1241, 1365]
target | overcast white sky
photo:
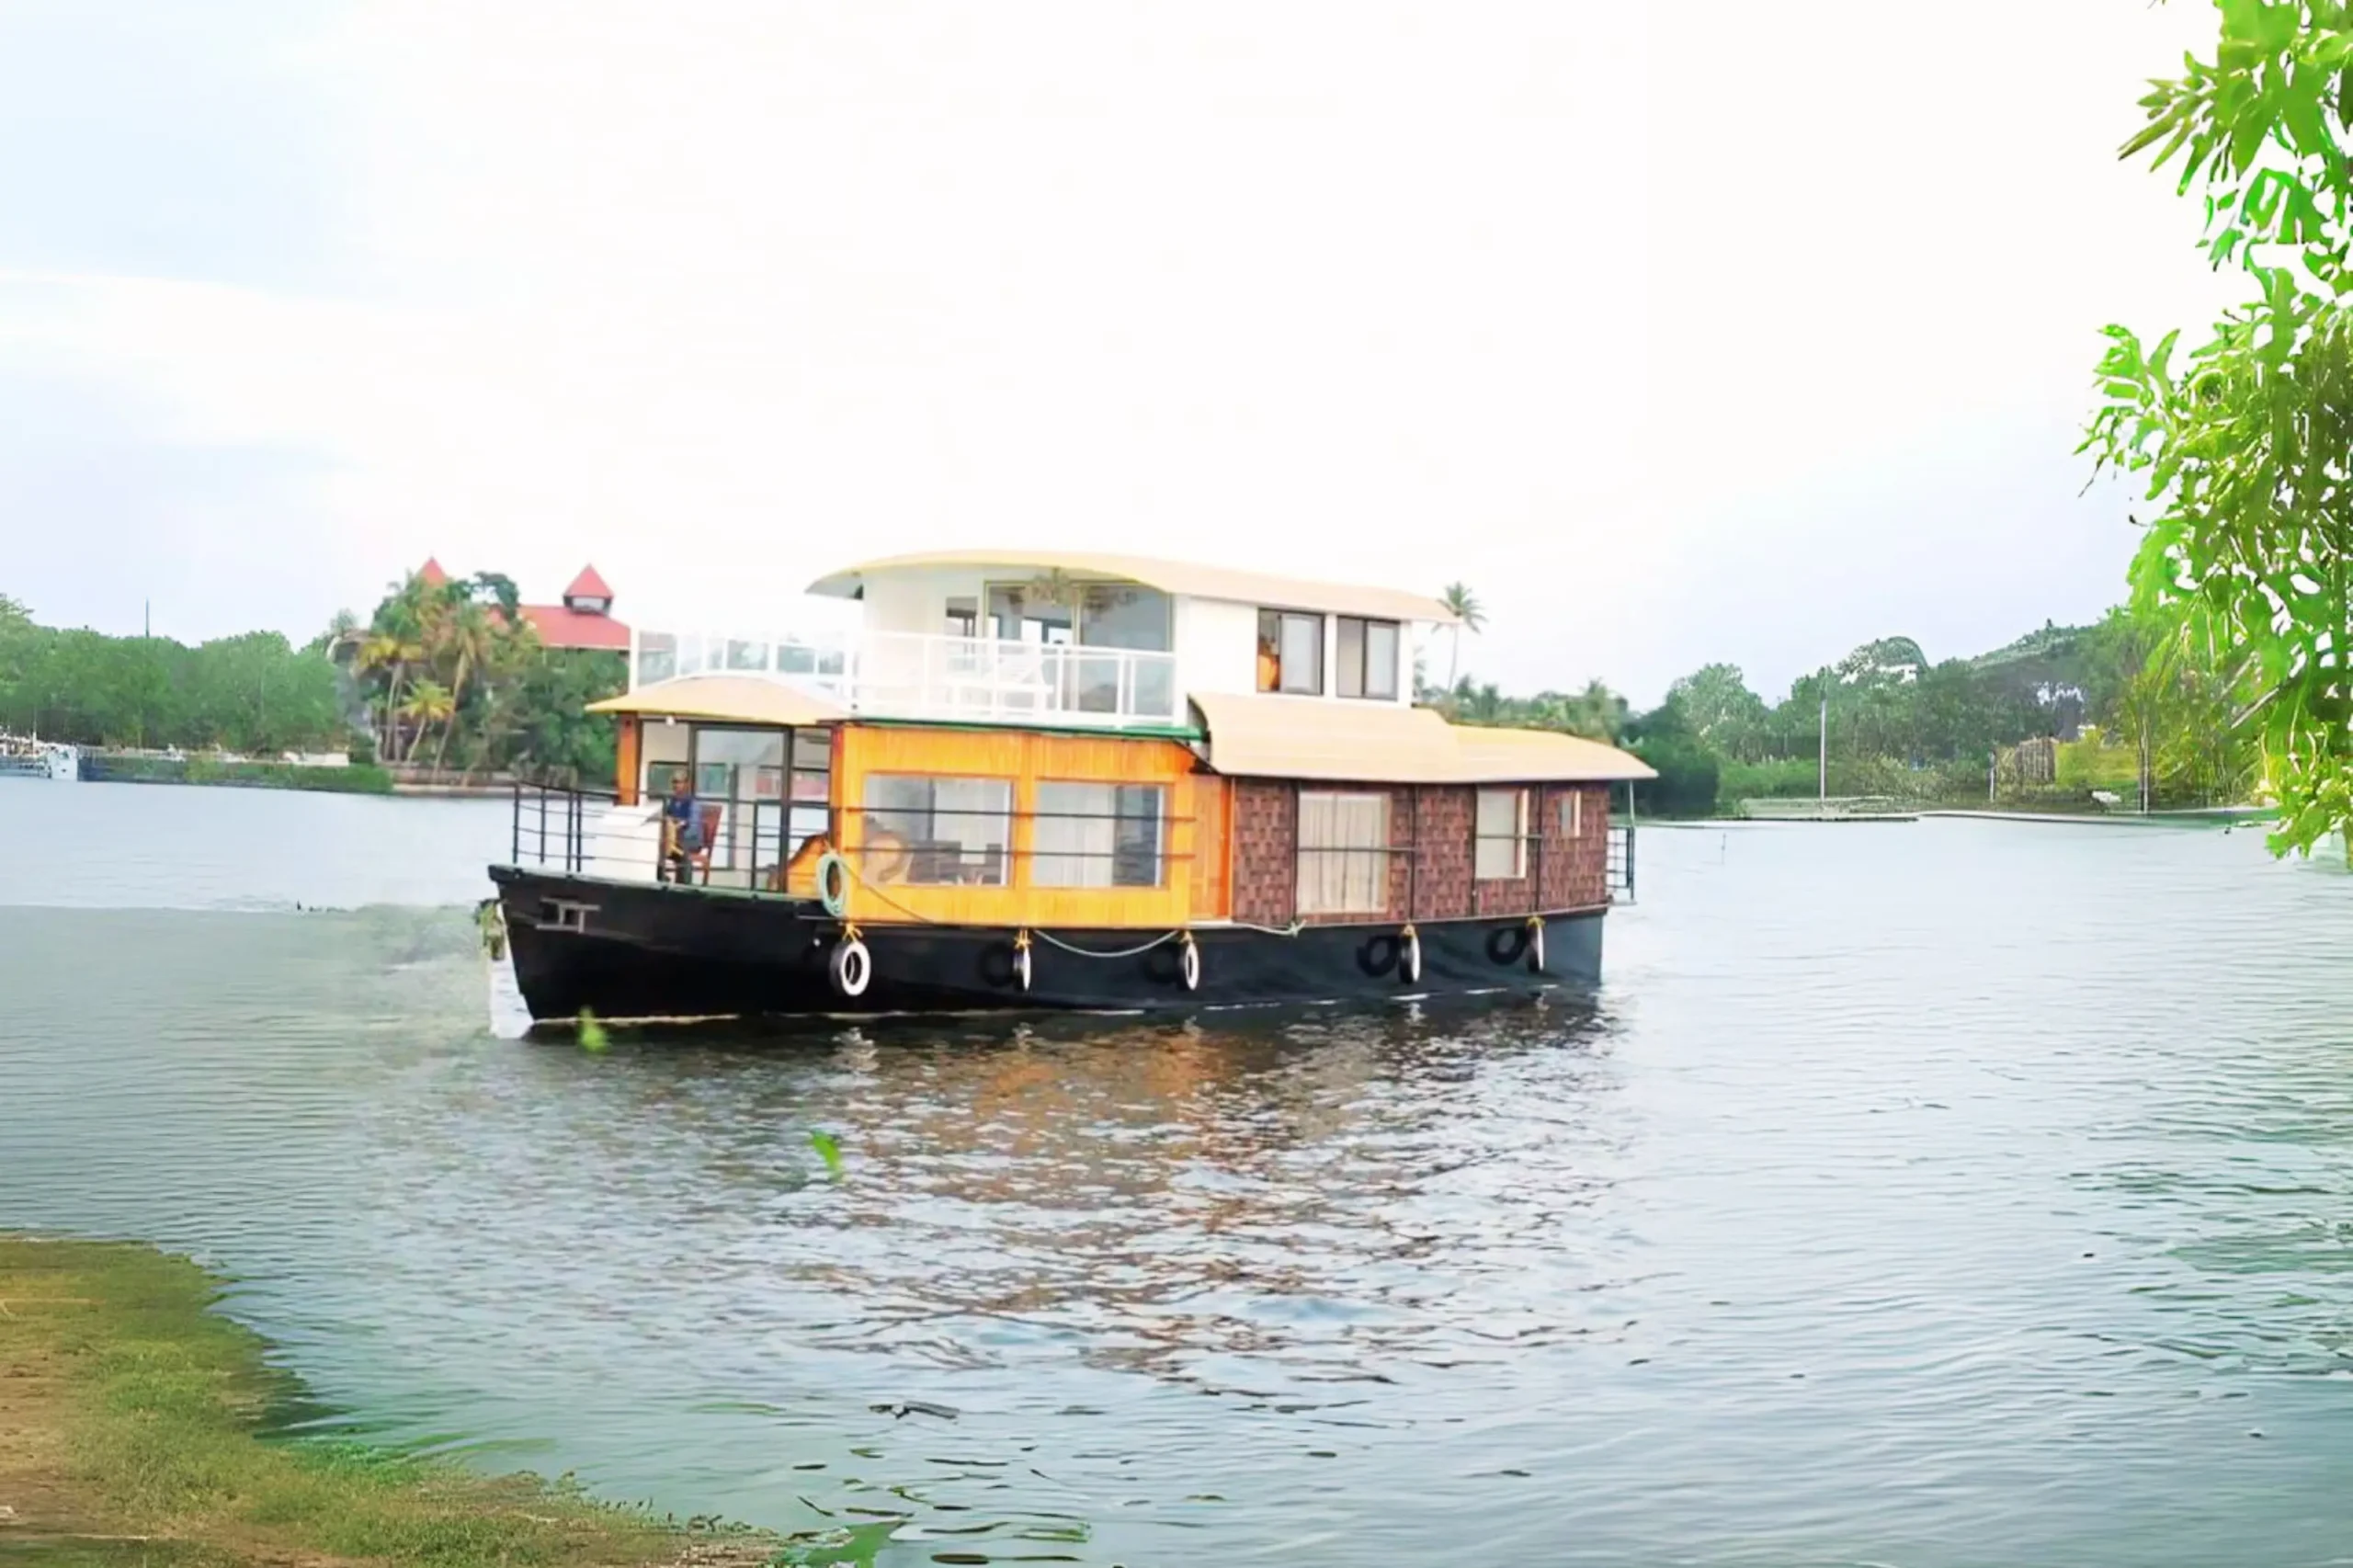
[1682, 332]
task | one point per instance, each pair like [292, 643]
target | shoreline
[131, 1427]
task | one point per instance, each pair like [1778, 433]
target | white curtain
[1343, 861]
[1503, 825]
[1074, 850]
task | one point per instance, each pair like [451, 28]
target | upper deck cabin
[1098, 742]
[1070, 640]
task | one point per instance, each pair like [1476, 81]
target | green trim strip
[1089, 732]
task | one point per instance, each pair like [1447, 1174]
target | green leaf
[827, 1149]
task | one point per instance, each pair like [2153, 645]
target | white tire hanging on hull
[850, 966]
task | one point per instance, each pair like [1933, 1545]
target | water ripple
[1935, 1196]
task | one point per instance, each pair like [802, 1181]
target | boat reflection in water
[1160, 1195]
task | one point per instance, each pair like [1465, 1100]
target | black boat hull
[639, 950]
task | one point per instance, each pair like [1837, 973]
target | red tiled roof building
[585, 618]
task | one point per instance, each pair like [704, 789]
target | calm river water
[1941, 1194]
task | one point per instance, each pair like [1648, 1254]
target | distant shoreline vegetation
[2053, 720]
[446, 678]
[359, 779]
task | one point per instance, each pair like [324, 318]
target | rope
[859, 876]
[1021, 938]
[1164, 937]
[1293, 929]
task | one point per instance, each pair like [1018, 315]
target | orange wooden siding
[1212, 896]
[1026, 760]
[625, 753]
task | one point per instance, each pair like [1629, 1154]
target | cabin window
[1501, 852]
[657, 658]
[1126, 615]
[739, 766]
[1573, 814]
[1290, 651]
[937, 832]
[811, 787]
[1097, 836]
[1137, 619]
[664, 747]
[963, 618]
[1367, 658]
[1025, 613]
[1343, 854]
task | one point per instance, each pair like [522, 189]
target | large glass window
[1367, 658]
[664, 748]
[1097, 836]
[1502, 835]
[739, 764]
[1343, 854]
[657, 657]
[1290, 651]
[1025, 614]
[810, 788]
[1126, 615]
[935, 831]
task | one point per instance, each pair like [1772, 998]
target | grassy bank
[130, 1433]
[359, 779]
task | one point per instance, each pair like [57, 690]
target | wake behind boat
[1060, 782]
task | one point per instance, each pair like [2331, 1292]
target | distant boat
[26, 756]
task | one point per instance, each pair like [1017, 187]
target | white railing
[913, 675]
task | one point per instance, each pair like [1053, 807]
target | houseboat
[1060, 780]
[29, 757]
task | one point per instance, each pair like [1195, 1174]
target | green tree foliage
[1904, 726]
[450, 675]
[1688, 768]
[1722, 713]
[2242, 442]
[254, 694]
[1596, 712]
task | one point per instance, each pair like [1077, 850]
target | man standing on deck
[681, 827]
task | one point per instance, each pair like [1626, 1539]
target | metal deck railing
[1622, 863]
[591, 832]
[917, 675]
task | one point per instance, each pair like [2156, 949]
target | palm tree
[472, 641]
[1468, 617]
[391, 653]
[429, 703]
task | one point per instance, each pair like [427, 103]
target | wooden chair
[697, 860]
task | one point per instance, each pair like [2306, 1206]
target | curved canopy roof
[1190, 579]
[725, 699]
[1381, 742]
